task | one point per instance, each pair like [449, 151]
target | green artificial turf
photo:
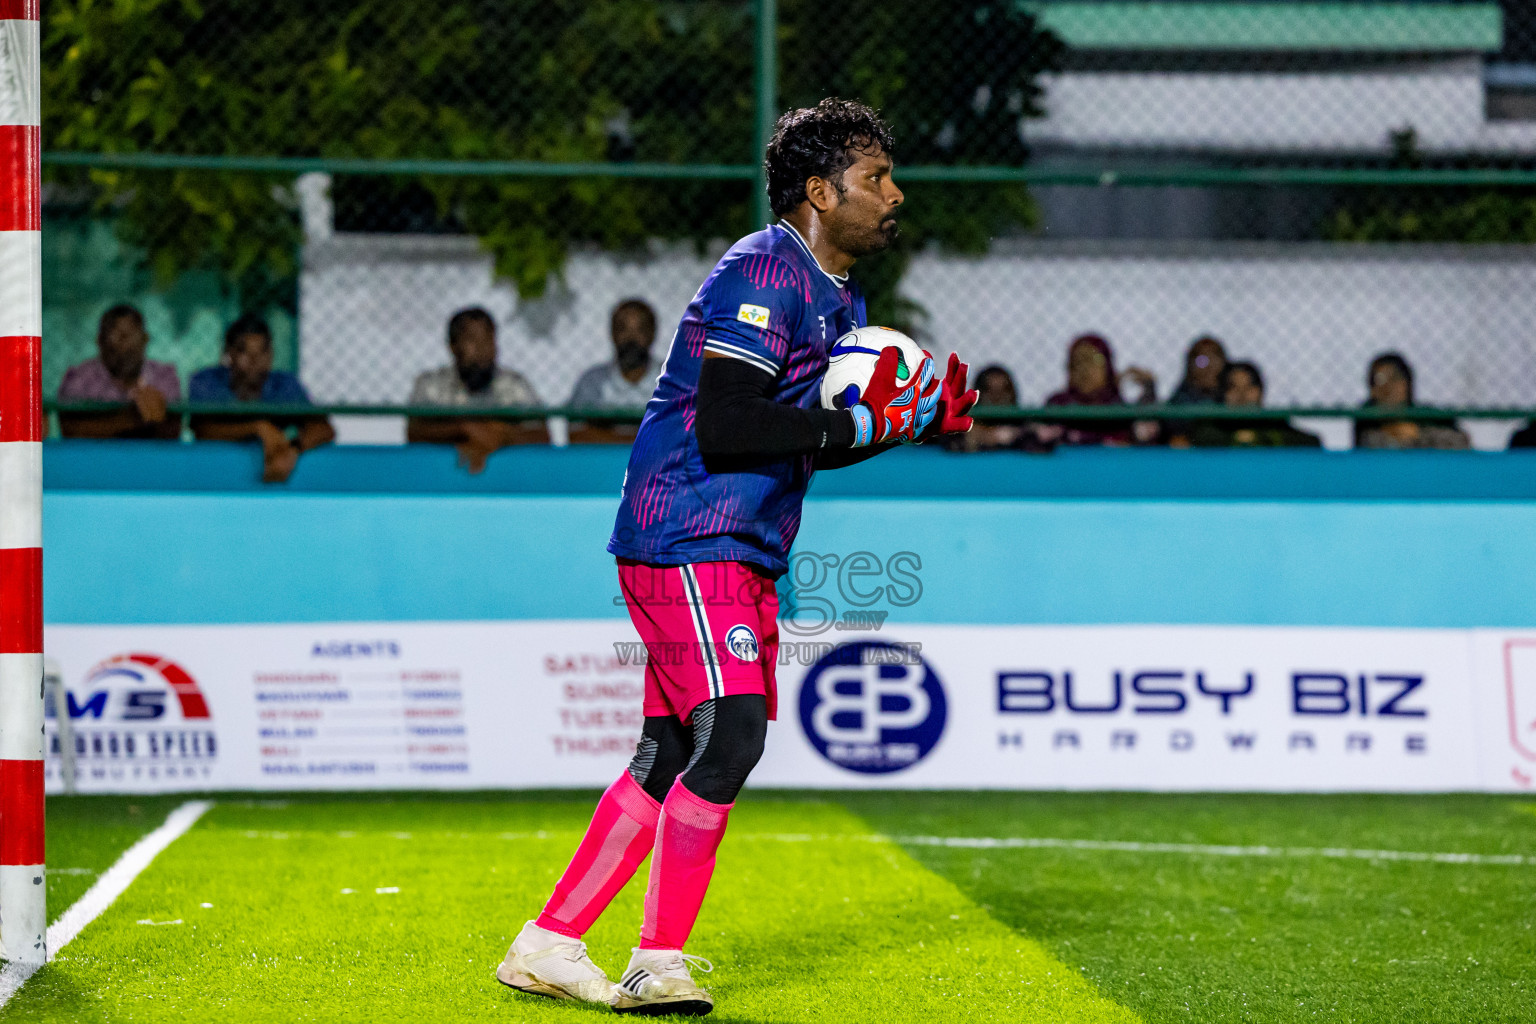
[1205, 938]
[87, 833]
[814, 916]
[359, 909]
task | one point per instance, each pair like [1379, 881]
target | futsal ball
[851, 362]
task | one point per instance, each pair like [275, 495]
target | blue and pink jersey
[768, 303]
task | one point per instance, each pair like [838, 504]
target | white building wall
[373, 311]
[1299, 111]
[1311, 315]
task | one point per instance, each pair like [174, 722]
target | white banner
[532, 704]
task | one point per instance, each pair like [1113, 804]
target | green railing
[1116, 176]
[992, 414]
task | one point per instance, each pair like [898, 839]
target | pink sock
[622, 832]
[687, 837]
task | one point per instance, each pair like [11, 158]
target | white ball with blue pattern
[851, 362]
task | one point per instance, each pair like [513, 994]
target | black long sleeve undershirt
[737, 422]
[736, 418]
[842, 458]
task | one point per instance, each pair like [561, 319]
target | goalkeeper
[710, 506]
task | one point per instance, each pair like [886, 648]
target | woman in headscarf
[1391, 382]
[1092, 380]
[1204, 361]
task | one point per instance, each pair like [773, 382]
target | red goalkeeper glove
[887, 410]
[955, 401]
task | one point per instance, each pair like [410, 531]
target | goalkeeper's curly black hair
[819, 142]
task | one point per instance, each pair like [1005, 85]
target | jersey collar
[841, 282]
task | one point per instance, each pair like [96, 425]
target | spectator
[995, 385]
[120, 373]
[1391, 383]
[245, 375]
[1203, 363]
[1092, 380]
[473, 380]
[997, 392]
[1242, 386]
[624, 382]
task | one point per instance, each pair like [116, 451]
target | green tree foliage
[1466, 215]
[956, 82]
[547, 80]
[1441, 216]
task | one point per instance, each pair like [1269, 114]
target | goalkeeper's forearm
[842, 458]
[735, 416]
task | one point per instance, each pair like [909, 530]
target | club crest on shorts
[742, 642]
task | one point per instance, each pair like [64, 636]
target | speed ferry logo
[135, 687]
[137, 720]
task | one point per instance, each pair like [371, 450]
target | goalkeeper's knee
[728, 742]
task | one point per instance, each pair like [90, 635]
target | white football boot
[547, 963]
[657, 983]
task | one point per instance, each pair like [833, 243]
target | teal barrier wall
[138, 533]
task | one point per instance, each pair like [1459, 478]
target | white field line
[112, 884]
[1116, 846]
[1003, 843]
[1198, 850]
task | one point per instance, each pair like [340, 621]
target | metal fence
[1313, 183]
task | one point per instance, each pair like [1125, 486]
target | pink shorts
[710, 630]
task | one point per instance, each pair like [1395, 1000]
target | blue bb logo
[872, 707]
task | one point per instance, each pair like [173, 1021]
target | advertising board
[522, 704]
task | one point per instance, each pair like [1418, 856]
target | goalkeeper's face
[863, 220]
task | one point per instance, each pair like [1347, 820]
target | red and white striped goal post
[23, 902]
